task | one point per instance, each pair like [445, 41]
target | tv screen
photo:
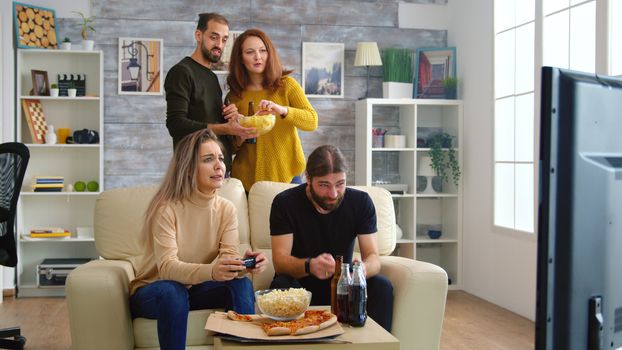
[579, 282]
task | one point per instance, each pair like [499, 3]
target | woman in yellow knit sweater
[256, 74]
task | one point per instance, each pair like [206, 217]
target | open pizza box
[219, 323]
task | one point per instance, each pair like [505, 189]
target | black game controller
[249, 262]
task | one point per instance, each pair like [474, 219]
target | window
[528, 35]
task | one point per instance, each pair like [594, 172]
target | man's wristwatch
[308, 265]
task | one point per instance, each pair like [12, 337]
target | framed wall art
[40, 83]
[322, 69]
[222, 66]
[140, 66]
[433, 66]
[35, 118]
[35, 27]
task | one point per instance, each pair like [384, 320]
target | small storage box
[52, 273]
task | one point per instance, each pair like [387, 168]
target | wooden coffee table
[369, 337]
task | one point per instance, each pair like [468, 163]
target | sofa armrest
[98, 304]
[420, 291]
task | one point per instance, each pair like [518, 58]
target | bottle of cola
[251, 112]
[333, 284]
[357, 297]
[343, 289]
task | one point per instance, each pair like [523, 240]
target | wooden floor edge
[9, 292]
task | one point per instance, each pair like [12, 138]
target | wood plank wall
[137, 144]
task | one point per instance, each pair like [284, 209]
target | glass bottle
[343, 288]
[357, 297]
[251, 112]
[333, 284]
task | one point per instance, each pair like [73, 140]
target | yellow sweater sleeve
[300, 112]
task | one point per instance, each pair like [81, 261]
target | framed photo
[35, 27]
[222, 66]
[432, 67]
[322, 69]
[40, 83]
[140, 66]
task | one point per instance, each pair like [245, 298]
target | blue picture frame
[44, 27]
[432, 66]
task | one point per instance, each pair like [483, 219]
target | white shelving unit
[415, 211]
[75, 162]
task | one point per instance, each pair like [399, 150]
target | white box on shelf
[391, 89]
[395, 141]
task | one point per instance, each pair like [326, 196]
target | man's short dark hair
[326, 160]
[204, 18]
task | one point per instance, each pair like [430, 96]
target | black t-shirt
[193, 100]
[315, 233]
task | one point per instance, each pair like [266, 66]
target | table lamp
[424, 168]
[367, 54]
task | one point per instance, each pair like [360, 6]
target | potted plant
[450, 87]
[397, 65]
[66, 44]
[443, 158]
[54, 90]
[86, 27]
[71, 89]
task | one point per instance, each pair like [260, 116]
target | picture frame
[432, 66]
[322, 69]
[140, 66]
[40, 83]
[35, 27]
[222, 66]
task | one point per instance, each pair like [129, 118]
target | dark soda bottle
[251, 112]
[333, 284]
[357, 297]
[343, 289]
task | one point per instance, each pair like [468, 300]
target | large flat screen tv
[579, 282]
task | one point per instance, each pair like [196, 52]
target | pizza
[312, 321]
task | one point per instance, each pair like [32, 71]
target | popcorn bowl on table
[262, 123]
[283, 304]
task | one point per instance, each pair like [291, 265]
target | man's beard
[207, 54]
[321, 201]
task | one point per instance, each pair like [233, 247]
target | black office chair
[13, 162]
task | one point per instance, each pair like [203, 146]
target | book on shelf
[49, 232]
[48, 189]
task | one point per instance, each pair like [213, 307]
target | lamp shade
[424, 166]
[367, 54]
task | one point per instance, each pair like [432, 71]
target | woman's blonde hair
[238, 78]
[180, 180]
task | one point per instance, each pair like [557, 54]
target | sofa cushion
[146, 335]
[119, 215]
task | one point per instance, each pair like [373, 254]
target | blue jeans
[169, 302]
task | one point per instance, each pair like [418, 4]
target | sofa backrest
[119, 216]
[260, 201]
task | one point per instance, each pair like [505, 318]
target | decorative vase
[71, 92]
[88, 45]
[65, 46]
[451, 93]
[393, 89]
[54, 92]
[437, 184]
[50, 135]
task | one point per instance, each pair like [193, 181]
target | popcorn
[283, 303]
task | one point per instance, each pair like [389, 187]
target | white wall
[498, 267]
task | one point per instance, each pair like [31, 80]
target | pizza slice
[313, 321]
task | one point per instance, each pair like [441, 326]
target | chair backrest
[260, 202]
[119, 216]
[13, 162]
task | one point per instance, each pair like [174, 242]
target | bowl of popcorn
[283, 304]
[261, 123]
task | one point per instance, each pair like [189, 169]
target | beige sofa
[97, 292]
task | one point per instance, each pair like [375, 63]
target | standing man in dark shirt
[313, 222]
[193, 94]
